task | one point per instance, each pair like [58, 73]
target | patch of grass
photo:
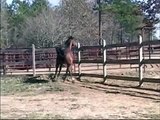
[151, 116]
[10, 85]
[18, 84]
[87, 117]
[154, 116]
[33, 115]
[75, 93]
[43, 116]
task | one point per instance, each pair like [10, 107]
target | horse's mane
[67, 42]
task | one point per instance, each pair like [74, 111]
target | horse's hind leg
[55, 75]
[60, 68]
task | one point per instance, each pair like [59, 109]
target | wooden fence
[141, 52]
[25, 59]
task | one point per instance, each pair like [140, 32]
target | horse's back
[59, 51]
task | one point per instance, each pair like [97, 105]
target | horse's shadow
[34, 80]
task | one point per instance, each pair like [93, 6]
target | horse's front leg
[70, 72]
[65, 76]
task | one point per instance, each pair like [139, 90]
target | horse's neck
[69, 46]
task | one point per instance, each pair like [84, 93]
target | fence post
[140, 60]
[104, 61]
[79, 60]
[33, 60]
[4, 65]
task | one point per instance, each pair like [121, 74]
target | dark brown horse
[60, 60]
[65, 56]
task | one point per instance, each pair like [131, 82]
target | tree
[4, 25]
[54, 25]
[38, 6]
[35, 21]
[150, 9]
[125, 12]
[41, 29]
[151, 13]
[76, 18]
[19, 11]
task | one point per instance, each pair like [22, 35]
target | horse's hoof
[78, 78]
[63, 78]
[73, 81]
[54, 80]
[73, 78]
[68, 80]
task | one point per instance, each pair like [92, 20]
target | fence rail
[23, 58]
[146, 52]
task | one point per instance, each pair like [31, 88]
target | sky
[53, 2]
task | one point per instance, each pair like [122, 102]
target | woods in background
[38, 22]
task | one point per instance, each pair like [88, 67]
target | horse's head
[74, 43]
[71, 42]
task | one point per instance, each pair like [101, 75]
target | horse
[65, 56]
[68, 54]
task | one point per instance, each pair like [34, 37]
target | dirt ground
[83, 100]
[88, 99]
